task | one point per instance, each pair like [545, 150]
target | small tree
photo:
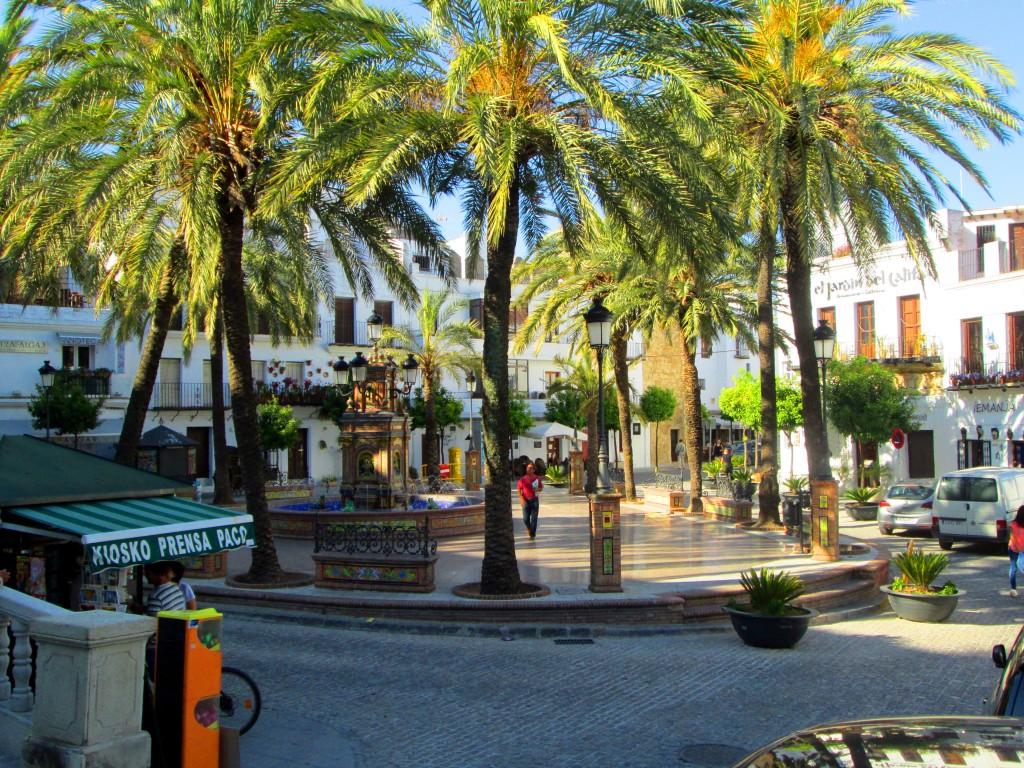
[789, 408]
[64, 409]
[520, 420]
[742, 402]
[866, 403]
[447, 413]
[564, 408]
[278, 430]
[657, 404]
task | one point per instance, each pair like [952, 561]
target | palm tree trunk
[265, 567]
[499, 572]
[693, 432]
[768, 489]
[620, 367]
[798, 283]
[149, 365]
[433, 457]
[221, 461]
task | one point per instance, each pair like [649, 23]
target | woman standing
[1016, 547]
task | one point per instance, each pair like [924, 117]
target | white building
[956, 340]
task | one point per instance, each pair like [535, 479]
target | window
[550, 377]
[742, 350]
[828, 314]
[386, 310]
[865, 313]
[344, 320]
[1015, 337]
[177, 320]
[294, 371]
[705, 348]
[262, 324]
[476, 311]
[910, 326]
[76, 357]
[1016, 261]
[516, 318]
[970, 345]
[259, 371]
[986, 233]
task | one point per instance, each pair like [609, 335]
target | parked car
[907, 504]
[1008, 696]
[898, 741]
[976, 505]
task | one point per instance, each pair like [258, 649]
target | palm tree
[199, 117]
[847, 108]
[698, 297]
[579, 377]
[441, 344]
[529, 107]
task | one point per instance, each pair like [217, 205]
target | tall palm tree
[529, 107]
[838, 141]
[199, 115]
[579, 377]
[441, 344]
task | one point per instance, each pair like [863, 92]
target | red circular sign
[898, 438]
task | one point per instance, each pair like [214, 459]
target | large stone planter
[863, 512]
[770, 631]
[930, 608]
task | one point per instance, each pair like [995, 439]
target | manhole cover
[711, 755]
[574, 641]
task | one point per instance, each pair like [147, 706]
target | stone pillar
[576, 472]
[455, 462]
[605, 543]
[824, 520]
[473, 470]
[88, 708]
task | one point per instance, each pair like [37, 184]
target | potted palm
[742, 485]
[769, 618]
[795, 485]
[914, 595]
[556, 476]
[863, 504]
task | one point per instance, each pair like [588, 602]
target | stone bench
[664, 501]
[730, 510]
[393, 556]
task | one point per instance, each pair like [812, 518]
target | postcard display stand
[106, 590]
[188, 670]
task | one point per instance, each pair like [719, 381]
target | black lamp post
[46, 374]
[599, 330]
[824, 349]
[470, 385]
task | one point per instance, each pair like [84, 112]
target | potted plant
[794, 485]
[742, 485]
[556, 477]
[863, 504]
[769, 619]
[913, 594]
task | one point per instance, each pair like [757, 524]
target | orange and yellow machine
[187, 682]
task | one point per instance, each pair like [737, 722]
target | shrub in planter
[556, 476]
[863, 504]
[769, 619]
[795, 484]
[913, 594]
[742, 485]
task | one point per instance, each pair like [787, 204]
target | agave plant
[919, 570]
[556, 475]
[861, 496]
[795, 484]
[770, 592]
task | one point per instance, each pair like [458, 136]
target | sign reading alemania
[23, 346]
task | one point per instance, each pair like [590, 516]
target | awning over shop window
[127, 532]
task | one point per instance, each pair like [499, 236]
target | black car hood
[899, 742]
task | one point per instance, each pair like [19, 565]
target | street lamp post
[824, 348]
[599, 328]
[46, 374]
[470, 385]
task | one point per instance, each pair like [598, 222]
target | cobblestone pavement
[642, 701]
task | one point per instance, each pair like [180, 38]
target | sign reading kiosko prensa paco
[128, 548]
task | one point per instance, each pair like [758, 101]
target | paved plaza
[334, 695]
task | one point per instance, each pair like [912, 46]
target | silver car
[908, 504]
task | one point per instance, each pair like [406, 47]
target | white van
[976, 504]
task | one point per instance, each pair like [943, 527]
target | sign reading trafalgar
[21, 345]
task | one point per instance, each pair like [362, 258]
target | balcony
[920, 354]
[971, 264]
[972, 373]
[94, 383]
[181, 396]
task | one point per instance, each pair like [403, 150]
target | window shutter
[476, 311]
[344, 320]
[386, 310]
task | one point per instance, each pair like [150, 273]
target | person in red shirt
[1015, 548]
[529, 486]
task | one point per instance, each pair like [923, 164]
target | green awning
[126, 532]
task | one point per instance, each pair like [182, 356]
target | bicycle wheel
[240, 701]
